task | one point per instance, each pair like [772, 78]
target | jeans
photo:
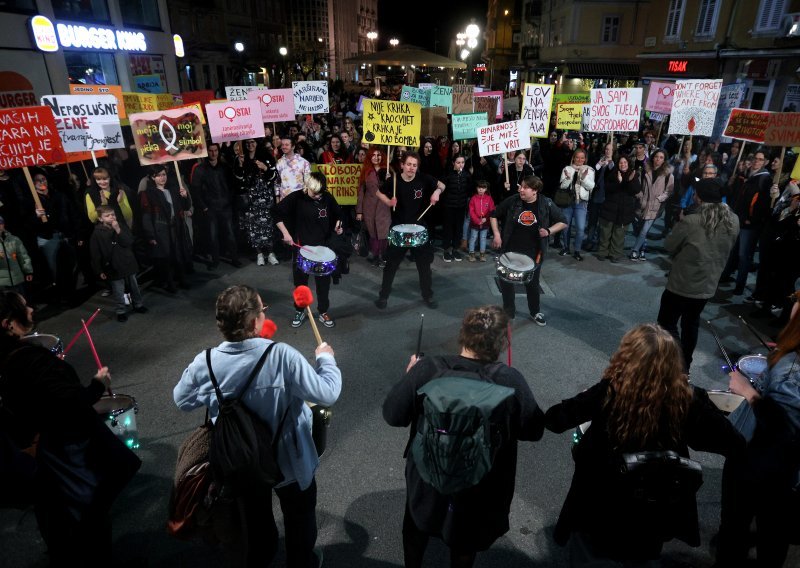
[118, 292]
[322, 283]
[466, 226]
[675, 307]
[742, 256]
[474, 235]
[640, 228]
[423, 256]
[575, 217]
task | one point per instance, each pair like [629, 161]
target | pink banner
[277, 105]
[168, 135]
[234, 120]
[659, 98]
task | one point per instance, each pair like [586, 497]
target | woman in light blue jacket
[284, 384]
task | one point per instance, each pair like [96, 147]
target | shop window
[21, 6]
[610, 32]
[769, 16]
[674, 19]
[140, 13]
[91, 68]
[78, 10]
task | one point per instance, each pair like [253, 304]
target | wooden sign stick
[739, 157]
[313, 323]
[36, 201]
[178, 173]
[505, 161]
[85, 173]
[94, 158]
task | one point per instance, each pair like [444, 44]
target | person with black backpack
[466, 413]
[255, 391]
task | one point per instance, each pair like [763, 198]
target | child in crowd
[15, 263]
[480, 206]
[113, 260]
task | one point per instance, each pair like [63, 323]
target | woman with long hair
[103, 190]
[658, 184]
[370, 210]
[337, 154]
[617, 211]
[255, 170]
[642, 403]
[428, 160]
[577, 183]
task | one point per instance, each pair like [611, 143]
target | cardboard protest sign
[434, 122]
[783, 129]
[239, 93]
[504, 137]
[114, 90]
[486, 105]
[427, 85]
[465, 126]
[310, 97]
[140, 102]
[342, 180]
[414, 95]
[392, 123]
[277, 105]
[86, 122]
[730, 97]
[746, 124]
[28, 137]
[659, 97]
[569, 116]
[235, 120]
[537, 101]
[615, 110]
[496, 95]
[168, 136]
[462, 98]
[442, 97]
[694, 106]
[198, 108]
[569, 98]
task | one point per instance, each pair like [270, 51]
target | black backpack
[242, 447]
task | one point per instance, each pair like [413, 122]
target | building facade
[502, 37]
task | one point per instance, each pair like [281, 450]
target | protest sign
[114, 90]
[140, 102]
[360, 104]
[235, 120]
[569, 98]
[537, 101]
[656, 116]
[310, 97]
[198, 108]
[496, 95]
[72, 157]
[730, 97]
[442, 97]
[569, 116]
[486, 105]
[342, 180]
[277, 105]
[462, 98]
[203, 97]
[694, 106]
[659, 97]
[465, 126]
[791, 100]
[434, 122]
[86, 122]
[783, 129]
[415, 95]
[504, 137]
[746, 124]
[796, 170]
[392, 123]
[239, 93]
[615, 110]
[148, 84]
[168, 136]
[28, 137]
[427, 85]
[511, 104]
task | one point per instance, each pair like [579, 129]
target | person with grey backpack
[466, 414]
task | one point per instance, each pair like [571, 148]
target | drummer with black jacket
[528, 221]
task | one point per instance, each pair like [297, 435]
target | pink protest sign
[234, 120]
[493, 95]
[277, 105]
[659, 98]
[168, 135]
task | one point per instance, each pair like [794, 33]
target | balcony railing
[530, 52]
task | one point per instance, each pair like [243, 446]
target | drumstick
[94, 351]
[508, 335]
[301, 247]
[426, 210]
[394, 190]
[80, 332]
[317, 336]
[755, 333]
[731, 366]
[303, 298]
[419, 337]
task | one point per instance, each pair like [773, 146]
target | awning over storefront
[406, 55]
[603, 70]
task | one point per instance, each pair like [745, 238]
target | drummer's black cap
[709, 190]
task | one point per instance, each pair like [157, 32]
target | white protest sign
[277, 105]
[536, 103]
[504, 137]
[86, 122]
[694, 106]
[238, 93]
[234, 120]
[310, 97]
[730, 97]
[615, 110]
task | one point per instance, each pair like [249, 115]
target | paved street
[588, 305]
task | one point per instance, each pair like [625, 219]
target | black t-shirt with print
[413, 197]
[525, 237]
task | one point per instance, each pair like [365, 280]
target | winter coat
[211, 186]
[112, 253]
[583, 185]
[655, 191]
[752, 204]
[15, 263]
[620, 204]
[459, 187]
[170, 232]
[480, 206]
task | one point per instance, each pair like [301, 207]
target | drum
[726, 401]
[119, 412]
[408, 235]
[52, 343]
[316, 260]
[578, 434]
[320, 421]
[752, 365]
[515, 268]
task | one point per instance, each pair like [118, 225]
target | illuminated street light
[460, 42]
[472, 43]
[238, 46]
[372, 36]
[394, 42]
[473, 31]
[464, 54]
[283, 51]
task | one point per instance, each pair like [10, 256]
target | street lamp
[464, 54]
[472, 43]
[460, 37]
[394, 42]
[238, 46]
[283, 51]
[472, 31]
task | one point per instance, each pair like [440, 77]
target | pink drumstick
[94, 351]
[80, 331]
[301, 247]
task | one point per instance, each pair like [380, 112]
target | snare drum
[515, 268]
[119, 412]
[52, 343]
[316, 260]
[320, 421]
[752, 365]
[408, 235]
[726, 401]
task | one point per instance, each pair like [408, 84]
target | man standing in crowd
[211, 191]
[414, 191]
[528, 221]
[293, 168]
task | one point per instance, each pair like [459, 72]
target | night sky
[421, 22]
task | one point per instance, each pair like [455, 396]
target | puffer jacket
[15, 263]
[584, 185]
[655, 191]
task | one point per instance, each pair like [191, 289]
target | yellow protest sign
[392, 123]
[342, 180]
[145, 102]
[569, 116]
[796, 169]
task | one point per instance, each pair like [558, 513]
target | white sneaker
[272, 259]
[260, 259]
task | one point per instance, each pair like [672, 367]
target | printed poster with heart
[168, 135]
[694, 107]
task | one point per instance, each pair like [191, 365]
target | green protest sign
[465, 126]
